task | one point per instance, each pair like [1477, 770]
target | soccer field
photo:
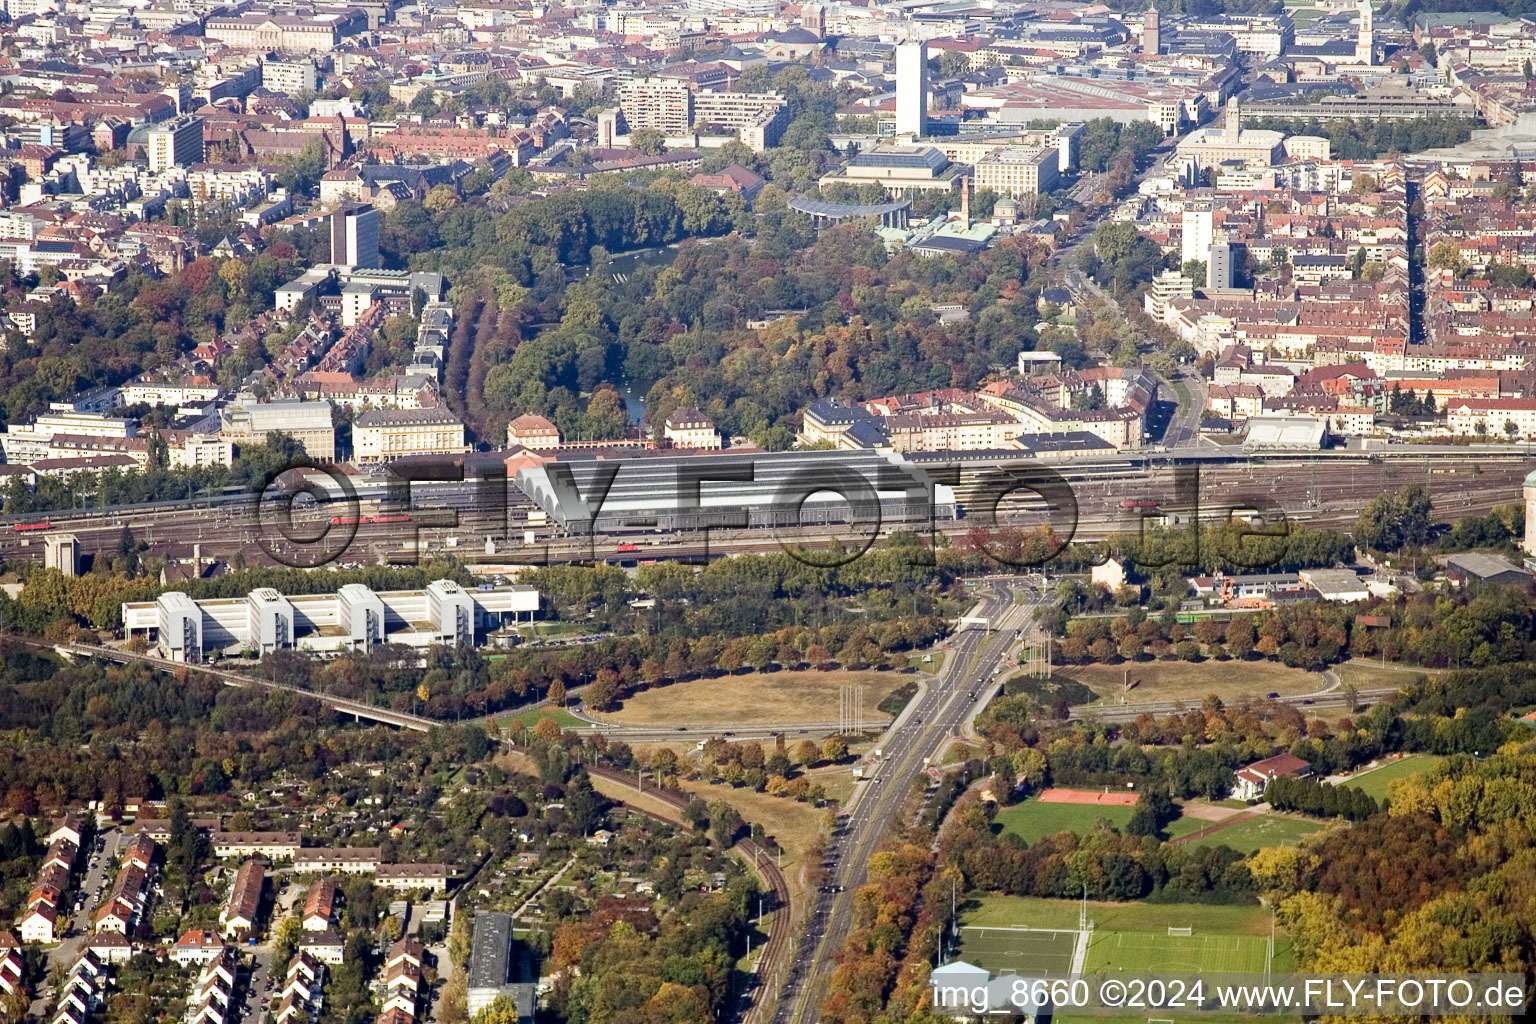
[1136, 952]
[1026, 951]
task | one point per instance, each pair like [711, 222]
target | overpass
[358, 709]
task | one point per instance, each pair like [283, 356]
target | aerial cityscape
[708, 511]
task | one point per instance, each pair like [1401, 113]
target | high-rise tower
[912, 89]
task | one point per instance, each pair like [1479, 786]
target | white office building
[355, 618]
[179, 622]
[269, 620]
[912, 89]
[1198, 233]
[361, 617]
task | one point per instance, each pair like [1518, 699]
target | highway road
[961, 688]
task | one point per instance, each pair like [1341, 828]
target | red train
[1139, 503]
[45, 524]
[355, 520]
[625, 549]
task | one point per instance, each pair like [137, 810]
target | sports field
[1033, 820]
[1032, 911]
[1200, 952]
[1028, 951]
[1375, 781]
[1255, 833]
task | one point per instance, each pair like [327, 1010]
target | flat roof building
[1019, 170]
[672, 491]
[179, 623]
[900, 170]
[492, 965]
[269, 621]
[353, 618]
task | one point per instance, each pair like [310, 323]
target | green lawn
[1203, 951]
[1034, 912]
[1374, 782]
[530, 718]
[1182, 826]
[1009, 951]
[1255, 833]
[1033, 820]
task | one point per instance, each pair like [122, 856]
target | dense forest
[864, 323]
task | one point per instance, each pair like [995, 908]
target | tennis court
[1030, 951]
[1137, 952]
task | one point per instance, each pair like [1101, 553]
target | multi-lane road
[919, 734]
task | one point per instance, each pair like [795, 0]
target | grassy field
[1033, 953]
[530, 718]
[1180, 680]
[1368, 675]
[1375, 781]
[1255, 833]
[1182, 826]
[1031, 911]
[1203, 951]
[1033, 820]
[757, 699]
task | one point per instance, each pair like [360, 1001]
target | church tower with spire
[1365, 43]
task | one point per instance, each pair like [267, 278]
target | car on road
[1272, 694]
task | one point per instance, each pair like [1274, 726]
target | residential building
[320, 905]
[197, 947]
[238, 917]
[431, 877]
[276, 845]
[1252, 780]
[175, 143]
[352, 860]
[326, 947]
[689, 428]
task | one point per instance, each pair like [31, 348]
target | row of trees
[1480, 626]
[1310, 796]
[1368, 139]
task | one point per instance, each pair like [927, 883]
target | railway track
[774, 950]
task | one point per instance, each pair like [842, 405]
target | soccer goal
[1180, 933]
